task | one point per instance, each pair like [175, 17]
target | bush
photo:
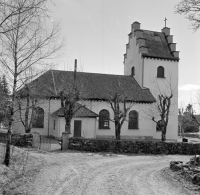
[133, 147]
[20, 140]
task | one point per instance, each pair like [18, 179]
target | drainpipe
[95, 131]
[142, 72]
[75, 69]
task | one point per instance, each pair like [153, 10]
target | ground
[81, 173]
[76, 173]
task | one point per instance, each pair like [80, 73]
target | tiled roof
[92, 86]
[82, 112]
[157, 45]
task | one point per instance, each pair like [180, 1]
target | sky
[96, 32]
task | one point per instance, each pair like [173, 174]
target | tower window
[160, 72]
[133, 71]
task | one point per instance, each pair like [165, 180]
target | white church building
[151, 60]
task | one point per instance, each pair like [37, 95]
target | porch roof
[82, 112]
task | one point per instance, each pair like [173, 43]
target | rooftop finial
[165, 21]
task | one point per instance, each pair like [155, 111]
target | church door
[77, 128]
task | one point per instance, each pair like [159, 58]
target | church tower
[151, 58]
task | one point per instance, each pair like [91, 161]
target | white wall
[87, 127]
[151, 81]
[146, 126]
[133, 59]
[54, 105]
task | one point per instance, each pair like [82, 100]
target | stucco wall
[133, 59]
[87, 127]
[152, 82]
[54, 105]
[146, 126]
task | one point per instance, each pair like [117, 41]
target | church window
[133, 71]
[54, 124]
[38, 118]
[103, 119]
[133, 120]
[160, 72]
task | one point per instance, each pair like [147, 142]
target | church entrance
[77, 128]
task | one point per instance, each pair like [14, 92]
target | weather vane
[165, 21]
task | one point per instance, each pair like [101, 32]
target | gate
[40, 142]
[45, 143]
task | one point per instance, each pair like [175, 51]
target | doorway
[77, 128]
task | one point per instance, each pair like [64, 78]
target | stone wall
[21, 140]
[133, 147]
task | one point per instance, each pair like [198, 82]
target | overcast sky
[96, 34]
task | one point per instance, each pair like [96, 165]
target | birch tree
[28, 39]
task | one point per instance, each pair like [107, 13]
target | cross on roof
[165, 21]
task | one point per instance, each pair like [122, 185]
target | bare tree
[191, 9]
[160, 111]
[30, 41]
[70, 95]
[120, 109]
[27, 100]
[10, 9]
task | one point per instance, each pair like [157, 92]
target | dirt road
[74, 173]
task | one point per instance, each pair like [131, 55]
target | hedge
[133, 147]
[21, 140]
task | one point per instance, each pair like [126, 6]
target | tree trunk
[163, 134]
[27, 129]
[117, 130]
[68, 128]
[8, 143]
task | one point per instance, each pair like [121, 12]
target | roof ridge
[152, 31]
[90, 73]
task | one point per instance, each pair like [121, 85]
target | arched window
[133, 120]
[103, 119]
[38, 118]
[160, 72]
[133, 71]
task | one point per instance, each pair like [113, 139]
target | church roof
[92, 86]
[82, 112]
[157, 45]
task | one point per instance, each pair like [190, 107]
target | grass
[23, 166]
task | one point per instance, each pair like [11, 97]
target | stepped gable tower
[151, 57]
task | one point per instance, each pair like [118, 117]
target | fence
[41, 142]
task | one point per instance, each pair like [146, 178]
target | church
[150, 62]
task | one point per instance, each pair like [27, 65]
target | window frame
[131, 122]
[54, 124]
[160, 72]
[133, 71]
[103, 120]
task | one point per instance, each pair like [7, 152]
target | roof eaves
[158, 57]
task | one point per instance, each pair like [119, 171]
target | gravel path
[74, 173]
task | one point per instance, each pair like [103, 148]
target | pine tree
[4, 86]
[4, 99]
